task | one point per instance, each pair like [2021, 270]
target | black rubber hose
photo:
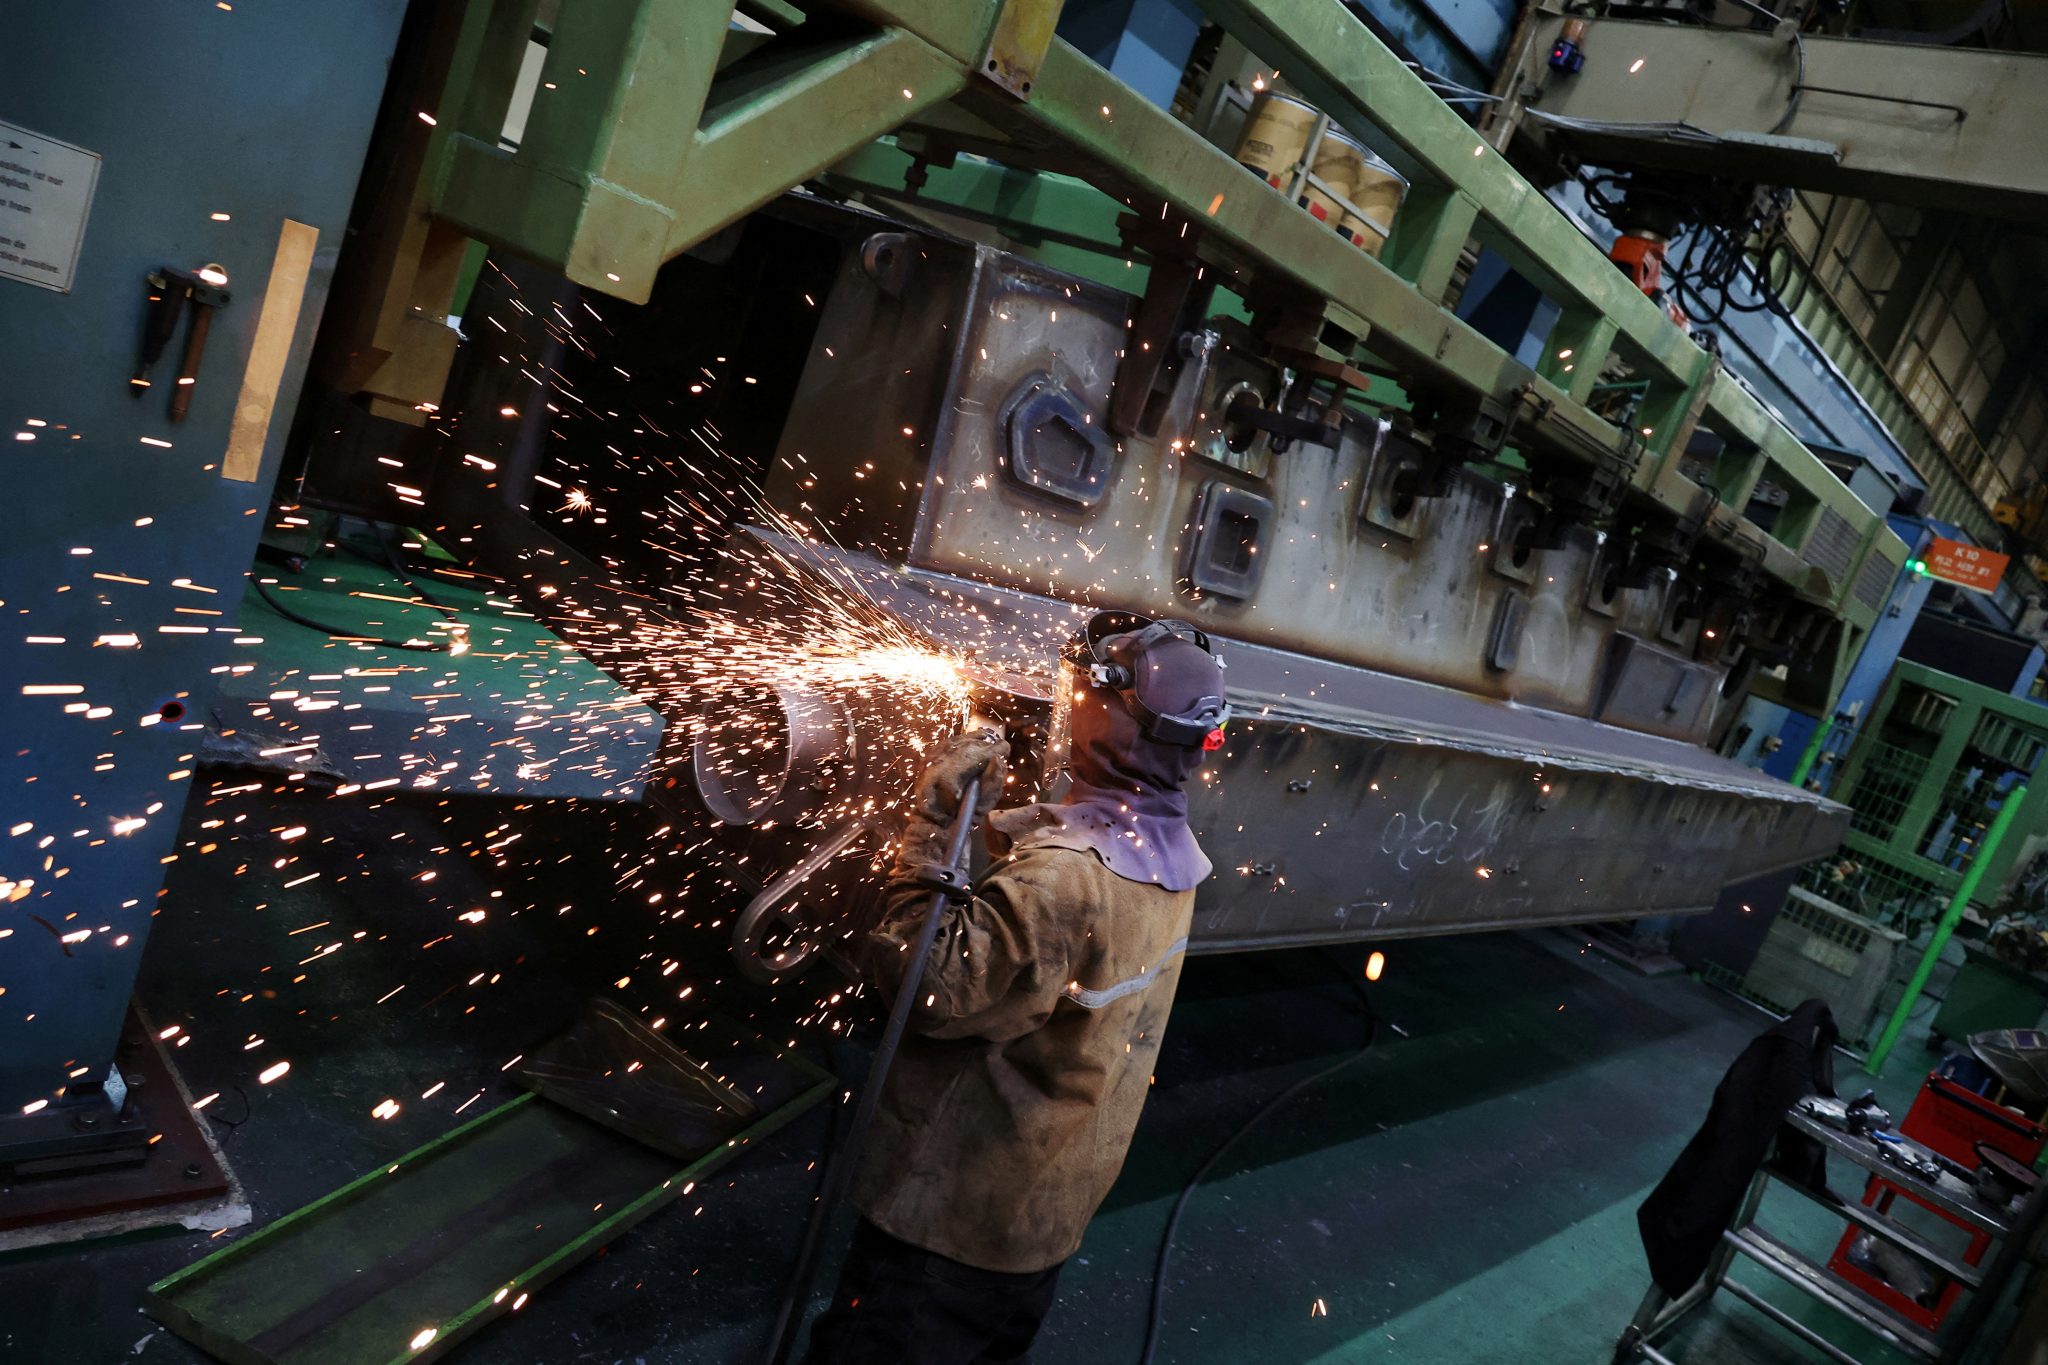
[789, 1315]
[1156, 1315]
[405, 576]
[288, 614]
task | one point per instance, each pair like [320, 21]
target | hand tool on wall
[168, 291]
[174, 292]
[209, 291]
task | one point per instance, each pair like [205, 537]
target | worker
[1007, 1114]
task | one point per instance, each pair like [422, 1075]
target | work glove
[936, 801]
[983, 753]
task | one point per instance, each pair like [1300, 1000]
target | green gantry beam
[660, 122]
[1905, 123]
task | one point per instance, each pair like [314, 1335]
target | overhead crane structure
[664, 121]
[1901, 123]
[1944, 127]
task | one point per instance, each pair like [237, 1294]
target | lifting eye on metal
[1231, 523]
[1246, 412]
[888, 258]
[1238, 435]
[1681, 609]
[1408, 484]
[1053, 444]
[1610, 584]
[1515, 543]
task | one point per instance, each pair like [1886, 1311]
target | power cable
[390, 559]
[343, 632]
[838, 1178]
[298, 618]
[1156, 1314]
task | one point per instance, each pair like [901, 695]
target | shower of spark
[326, 774]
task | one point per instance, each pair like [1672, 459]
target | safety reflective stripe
[1095, 1000]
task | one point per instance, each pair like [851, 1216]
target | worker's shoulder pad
[1043, 866]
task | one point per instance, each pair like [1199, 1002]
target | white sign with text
[45, 194]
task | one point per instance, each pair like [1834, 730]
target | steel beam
[1905, 123]
[659, 136]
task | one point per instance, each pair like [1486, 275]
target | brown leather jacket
[1013, 1099]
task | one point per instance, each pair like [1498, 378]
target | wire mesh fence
[1874, 887]
[1883, 790]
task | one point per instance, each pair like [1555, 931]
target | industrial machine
[1060, 348]
[1027, 343]
[142, 491]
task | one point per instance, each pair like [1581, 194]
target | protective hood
[1123, 800]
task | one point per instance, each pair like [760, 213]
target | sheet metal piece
[405, 1262]
[1349, 804]
[612, 1068]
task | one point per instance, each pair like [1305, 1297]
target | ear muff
[1197, 726]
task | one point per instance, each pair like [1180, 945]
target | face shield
[1164, 674]
[1069, 686]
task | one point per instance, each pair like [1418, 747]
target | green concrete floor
[1461, 1195]
[516, 712]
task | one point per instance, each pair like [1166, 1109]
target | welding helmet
[1164, 674]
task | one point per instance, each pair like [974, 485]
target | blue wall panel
[261, 112]
[1143, 43]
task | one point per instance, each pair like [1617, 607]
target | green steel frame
[494, 1301]
[662, 121]
[1905, 794]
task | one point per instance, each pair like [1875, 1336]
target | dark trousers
[902, 1305]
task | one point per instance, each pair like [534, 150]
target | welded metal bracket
[1017, 45]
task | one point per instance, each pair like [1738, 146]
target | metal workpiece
[1351, 804]
[959, 419]
[1912, 123]
[662, 123]
[778, 776]
[1333, 834]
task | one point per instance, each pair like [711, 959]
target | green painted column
[1946, 929]
[1804, 767]
[1956, 733]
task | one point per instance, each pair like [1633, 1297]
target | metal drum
[1377, 193]
[1341, 164]
[1275, 136]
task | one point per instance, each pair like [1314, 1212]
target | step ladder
[2012, 1229]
